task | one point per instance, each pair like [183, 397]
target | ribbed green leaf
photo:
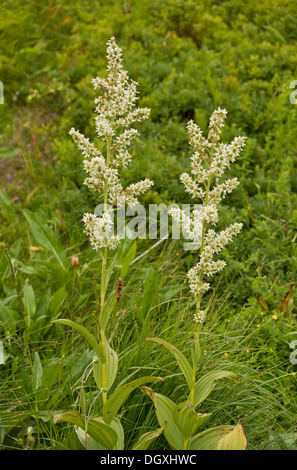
[165, 414]
[179, 356]
[111, 367]
[116, 400]
[187, 419]
[91, 444]
[87, 441]
[96, 428]
[205, 385]
[209, 439]
[234, 440]
[116, 425]
[81, 329]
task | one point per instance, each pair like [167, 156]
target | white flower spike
[115, 112]
[209, 161]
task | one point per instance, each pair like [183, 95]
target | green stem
[198, 303]
[104, 288]
[185, 444]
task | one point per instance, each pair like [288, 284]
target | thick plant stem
[195, 347]
[103, 292]
[103, 368]
[185, 444]
[102, 332]
[198, 303]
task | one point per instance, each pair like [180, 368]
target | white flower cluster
[209, 161]
[199, 317]
[98, 230]
[216, 123]
[214, 243]
[115, 112]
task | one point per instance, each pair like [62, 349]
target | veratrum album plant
[209, 161]
[115, 112]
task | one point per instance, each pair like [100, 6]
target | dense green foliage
[189, 58]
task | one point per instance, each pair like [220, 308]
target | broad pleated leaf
[87, 441]
[187, 419]
[116, 425]
[179, 356]
[90, 443]
[235, 440]
[209, 439]
[116, 400]
[97, 429]
[81, 329]
[111, 367]
[165, 409]
[205, 385]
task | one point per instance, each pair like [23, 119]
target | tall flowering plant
[115, 111]
[210, 159]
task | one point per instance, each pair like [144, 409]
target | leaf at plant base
[116, 425]
[116, 400]
[179, 356]
[91, 444]
[165, 414]
[205, 385]
[81, 329]
[111, 367]
[148, 438]
[187, 419]
[234, 440]
[87, 441]
[209, 439]
[97, 429]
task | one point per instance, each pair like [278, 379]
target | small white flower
[98, 230]
[199, 317]
[216, 123]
